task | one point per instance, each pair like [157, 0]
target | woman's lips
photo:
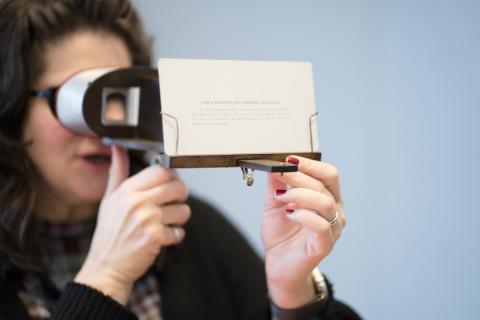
[97, 159]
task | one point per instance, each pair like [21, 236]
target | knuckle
[188, 211]
[141, 217]
[153, 233]
[319, 186]
[329, 205]
[168, 236]
[159, 212]
[156, 237]
[152, 215]
[332, 173]
[151, 243]
[324, 229]
[132, 202]
[308, 164]
[182, 190]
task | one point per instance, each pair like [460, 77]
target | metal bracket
[248, 176]
[263, 165]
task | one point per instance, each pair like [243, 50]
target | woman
[81, 238]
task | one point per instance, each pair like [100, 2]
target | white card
[237, 107]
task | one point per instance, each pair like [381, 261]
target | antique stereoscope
[198, 113]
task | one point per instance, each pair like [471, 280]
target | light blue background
[398, 89]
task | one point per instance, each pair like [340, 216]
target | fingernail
[290, 211]
[279, 192]
[293, 160]
[292, 216]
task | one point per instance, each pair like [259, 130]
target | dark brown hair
[26, 26]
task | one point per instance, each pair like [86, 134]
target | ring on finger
[177, 233]
[334, 221]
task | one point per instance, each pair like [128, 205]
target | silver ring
[177, 233]
[334, 220]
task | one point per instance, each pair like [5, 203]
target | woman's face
[72, 169]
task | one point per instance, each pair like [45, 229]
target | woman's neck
[49, 206]
[60, 212]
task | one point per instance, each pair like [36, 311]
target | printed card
[216, 107]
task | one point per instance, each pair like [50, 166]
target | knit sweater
[213, 274]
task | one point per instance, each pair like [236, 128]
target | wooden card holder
[273, 162]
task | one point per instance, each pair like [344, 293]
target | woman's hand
[296, 231]
[137, 217]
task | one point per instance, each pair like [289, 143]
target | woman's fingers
[326, 173]
[317, 202]
[173, 235]
[175, 214]
[301, 180]
[149, 178]
[318, 226]
[309, 199]
[311, 221]
[168, 192]
[169, 215]
[155, 237]
[162, 225]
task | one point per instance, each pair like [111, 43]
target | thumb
[119, 169]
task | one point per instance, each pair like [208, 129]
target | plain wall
[397, 90]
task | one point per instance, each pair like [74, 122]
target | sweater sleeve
[81, 302]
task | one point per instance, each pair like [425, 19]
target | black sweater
[212, 274]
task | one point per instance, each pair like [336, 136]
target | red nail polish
[279, 192]
[289, 211]
[293, 160]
